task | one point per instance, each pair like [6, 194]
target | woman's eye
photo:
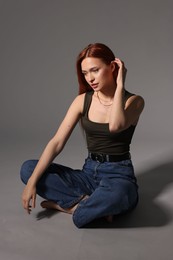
[95, 70]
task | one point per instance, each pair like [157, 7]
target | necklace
[101, 101]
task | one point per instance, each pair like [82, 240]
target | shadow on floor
[47, 213]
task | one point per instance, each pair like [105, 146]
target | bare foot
[46, 204]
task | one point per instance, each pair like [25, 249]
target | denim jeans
[111, 187]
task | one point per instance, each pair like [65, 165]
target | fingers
[121, 65]
[26, 205]
[33, 201]
[119, 62]
[29, 203]
[29, 209]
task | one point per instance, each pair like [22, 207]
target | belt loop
[107, 157]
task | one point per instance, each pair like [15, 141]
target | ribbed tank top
[99, 138]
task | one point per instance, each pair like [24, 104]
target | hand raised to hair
[122, 71]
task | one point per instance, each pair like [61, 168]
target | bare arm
[123, 115]
[53, 148]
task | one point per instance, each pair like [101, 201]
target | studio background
[39, 43]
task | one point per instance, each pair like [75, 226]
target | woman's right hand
[29, 197]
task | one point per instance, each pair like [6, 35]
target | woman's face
[97, 74]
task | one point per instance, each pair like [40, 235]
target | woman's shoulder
[132, 97]
[81, 101]
[78, 102]
[81, 97]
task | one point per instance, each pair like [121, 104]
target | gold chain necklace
[106, 105]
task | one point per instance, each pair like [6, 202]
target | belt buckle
[99, 158]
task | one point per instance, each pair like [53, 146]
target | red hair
[96, 50]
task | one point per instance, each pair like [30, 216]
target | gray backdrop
[39, 42]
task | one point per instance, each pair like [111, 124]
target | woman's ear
[113, 66]
[114, 69]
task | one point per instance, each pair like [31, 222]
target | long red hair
[96, 50]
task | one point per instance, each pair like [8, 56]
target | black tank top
[99, 138]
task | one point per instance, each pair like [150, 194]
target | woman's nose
[90, 77]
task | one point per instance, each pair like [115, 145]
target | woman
[108, 113]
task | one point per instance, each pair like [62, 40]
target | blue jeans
[111, 187]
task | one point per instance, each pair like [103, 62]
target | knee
[27, 169]
[79, 221]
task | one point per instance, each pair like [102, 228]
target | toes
[48, 204]
[43, 204]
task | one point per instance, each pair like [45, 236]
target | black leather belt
[99, 157]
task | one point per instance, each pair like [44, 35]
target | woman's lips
[94, 85]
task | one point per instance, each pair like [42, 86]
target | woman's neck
[107, 93]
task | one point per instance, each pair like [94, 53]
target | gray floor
[39, 43]
[144, 234]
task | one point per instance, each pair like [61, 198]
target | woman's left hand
[122, 71]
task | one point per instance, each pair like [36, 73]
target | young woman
[106, 185]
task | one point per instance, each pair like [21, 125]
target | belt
[99, 157]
